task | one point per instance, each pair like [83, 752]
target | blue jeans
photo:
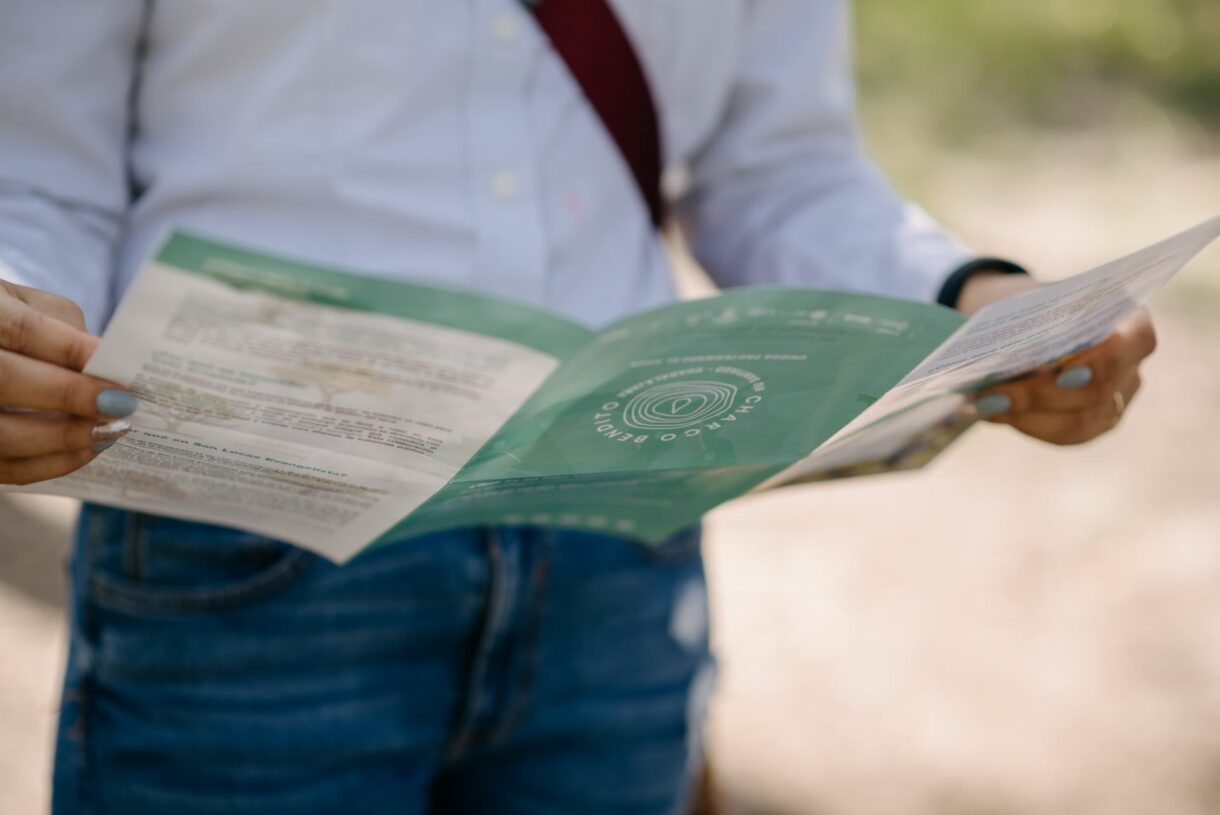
[502, 671]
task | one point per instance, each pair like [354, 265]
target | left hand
[1081, 398]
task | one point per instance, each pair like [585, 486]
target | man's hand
[53, 419]
[1082, 398]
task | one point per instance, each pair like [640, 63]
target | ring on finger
[1120, 406]
[111, 431]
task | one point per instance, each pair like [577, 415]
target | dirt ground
[1016, 630]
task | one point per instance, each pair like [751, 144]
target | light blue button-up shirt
[443, 142]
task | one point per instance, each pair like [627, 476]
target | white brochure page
[1022, 333]
[308, 423]
[1011, 338]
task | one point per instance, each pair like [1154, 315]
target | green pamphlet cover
[337, 410]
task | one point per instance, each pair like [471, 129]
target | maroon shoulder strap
[591, 40]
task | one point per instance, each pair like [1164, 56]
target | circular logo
[683, 403]
[678, 405]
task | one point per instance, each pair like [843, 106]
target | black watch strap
[951, 292]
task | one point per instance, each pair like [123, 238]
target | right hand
[53, 419]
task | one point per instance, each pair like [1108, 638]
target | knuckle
[1099, 392]
[76, 396]
[6, 374]
[1022, 396]
[1028, 430]
[1105, 377]
[1074, 432]
[1150, 340]
[1111, 373]
[16, 476]
[17, 330]
[1050, 391]
[61, 308]
[75, 435]
[71, 311]
[77, 351]
[1081, 425]
[1032, 426]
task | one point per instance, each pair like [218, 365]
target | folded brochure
[336, 411]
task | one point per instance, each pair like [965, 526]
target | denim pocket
[145, 564]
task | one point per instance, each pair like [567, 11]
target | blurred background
[1018, 629]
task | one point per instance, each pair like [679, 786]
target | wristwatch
[951, 292]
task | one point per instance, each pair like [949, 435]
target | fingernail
[101, 448]
[993, 405]
[116, 403]
[112, 431]
[1074, 378]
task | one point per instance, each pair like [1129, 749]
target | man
[505, 670]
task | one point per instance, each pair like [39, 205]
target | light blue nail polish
[1074, 378]
[993, 405]
[116, 403]
[101, 448]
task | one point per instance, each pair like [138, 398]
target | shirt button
[504, 186]
[505, 28]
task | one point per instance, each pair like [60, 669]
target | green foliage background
[965, 68]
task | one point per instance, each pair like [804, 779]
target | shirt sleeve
[784, 193]
[64, 118]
